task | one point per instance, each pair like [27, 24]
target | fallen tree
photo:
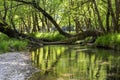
[39, 42]
[4, 28]
[47, 15]
[79, 36]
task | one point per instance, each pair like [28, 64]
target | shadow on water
[75, 63]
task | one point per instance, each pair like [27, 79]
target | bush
[3, 37]
[108, 40]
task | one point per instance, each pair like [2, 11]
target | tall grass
[109, 40]
[8, 44]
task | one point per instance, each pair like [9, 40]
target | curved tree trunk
[76, 37]
[72, 38]
[98, 15]
[46, 15]
[12, 33]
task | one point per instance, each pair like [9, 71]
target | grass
[7, 44]
[109, 40]
[53, 36]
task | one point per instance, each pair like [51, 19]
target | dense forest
[74, 19]
[59, 39]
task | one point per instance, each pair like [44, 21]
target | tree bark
[113, 17]
[72, 38]
[108, 17]
[98, 14]
[117, 13]
[79, 36]
[7, 30]
[46, 15]
[12, 33]
[5, 10]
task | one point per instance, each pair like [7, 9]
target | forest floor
[15, 66]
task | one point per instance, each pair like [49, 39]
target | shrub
[10, 44]
[108, 40]
[3, 37]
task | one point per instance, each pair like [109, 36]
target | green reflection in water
[75, 63]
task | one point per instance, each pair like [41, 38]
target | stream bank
[15, 66]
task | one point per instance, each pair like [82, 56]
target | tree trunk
[79, 36]
[7, 30]
[26, 27]
[98, 15]
[46, 15]
[77, 25]
[37, 21]
[5, 10]
[113, 17]
[108, 17]
[52, 20]
[29, 23]
[117, 12]
[11, 33]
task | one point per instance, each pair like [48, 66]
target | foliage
[109, 40]
[52, 36]
[66, 13]
[3, 37]
[8, 44]
[34, 16]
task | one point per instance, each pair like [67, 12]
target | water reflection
[75, 63]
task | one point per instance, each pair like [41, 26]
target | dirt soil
[15, 66]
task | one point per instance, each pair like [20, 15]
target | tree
[34, 4]
[85, 16]
[98, 15]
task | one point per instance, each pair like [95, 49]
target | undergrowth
[53, 36]
[9, 44]
[109, 40]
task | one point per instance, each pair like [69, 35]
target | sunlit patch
[82, 61]
[82, 50]
[67, 75]
[118, 36]
[16, 16]
[104, 63]
[14, 63]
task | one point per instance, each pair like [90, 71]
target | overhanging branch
[36, 6]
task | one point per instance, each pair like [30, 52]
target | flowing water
[74, 62]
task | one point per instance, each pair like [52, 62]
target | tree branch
[36, 6]
[10, 7]
[22, 1]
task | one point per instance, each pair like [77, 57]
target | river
[74, 62]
